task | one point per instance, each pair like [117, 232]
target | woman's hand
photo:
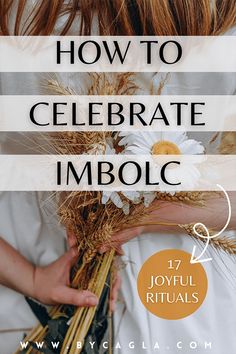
[71, 240]
[122, 237]
[52, 283]
[49, 285]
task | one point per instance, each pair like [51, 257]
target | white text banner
[118, 54]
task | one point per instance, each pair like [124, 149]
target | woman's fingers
[69, 296]
[114, 292]
[121, 237]
[119, 251]
[73, 255]
[67, 259]
[71, 239]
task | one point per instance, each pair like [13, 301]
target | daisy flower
[166, 143]
[159, 143]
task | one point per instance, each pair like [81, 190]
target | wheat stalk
[226, 244]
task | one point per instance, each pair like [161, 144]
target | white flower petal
[151, 137]
[138, 150]
[126, 208]
[175, 137]
[115, 198]
[148, 198]
[191, 147]
[132, 140]
[132, 195]
[105, 197]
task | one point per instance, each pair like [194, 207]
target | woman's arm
[49, 285]
[15, 271]
[213, 214]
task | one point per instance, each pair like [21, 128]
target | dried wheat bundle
[94, 217]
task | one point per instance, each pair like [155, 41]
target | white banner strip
[112, 113]
[117, 172]
[118, 54]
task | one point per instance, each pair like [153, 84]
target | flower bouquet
[95, 216]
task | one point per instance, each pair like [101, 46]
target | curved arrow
[208, 237]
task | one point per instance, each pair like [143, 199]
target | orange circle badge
[170, 286]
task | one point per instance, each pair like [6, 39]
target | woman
[119, 17]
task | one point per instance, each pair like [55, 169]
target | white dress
[215, 321]
[23, 224]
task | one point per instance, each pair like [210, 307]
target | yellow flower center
[165, 148]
